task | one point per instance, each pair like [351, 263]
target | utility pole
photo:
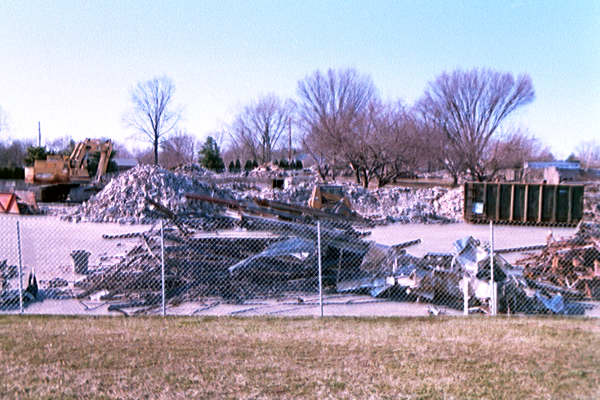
[39, 135]
[290, 141]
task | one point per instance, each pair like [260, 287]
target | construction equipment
[68, 175]
[330, 198]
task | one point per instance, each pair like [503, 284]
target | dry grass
[59, 357]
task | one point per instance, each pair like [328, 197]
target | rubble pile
[284, 264]
[124, 198]
[271, 251]
[409, 205]
[194, 170]
[231, 269]
[298, 193]
[570, 266]
[591, 203]
[388, 205]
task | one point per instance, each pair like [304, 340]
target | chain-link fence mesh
[253, 265]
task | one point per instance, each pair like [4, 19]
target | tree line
[460, 124]
[339, 120]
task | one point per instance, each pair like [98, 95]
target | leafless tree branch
[152, 114]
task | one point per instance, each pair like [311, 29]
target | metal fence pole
[20, 268]
[162, 268]
[493, 296]
[465, 289]
[320, 266]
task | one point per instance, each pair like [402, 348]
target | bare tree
[152, 114]
[260, 126]
[387, 146]
[588, 152]
[13, 154]
[178, 149]
[512, 150]
[329, 110]
[468, 107]
[144, 156]
[63, 145]
[121, 151]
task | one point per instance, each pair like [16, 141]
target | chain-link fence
[252, 265]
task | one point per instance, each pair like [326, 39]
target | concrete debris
[591, 203]
[124, 199]
[409, 205]
[390, 205]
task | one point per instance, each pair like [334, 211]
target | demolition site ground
[342, 358]
[189, 242]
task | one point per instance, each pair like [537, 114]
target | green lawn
[512, 358]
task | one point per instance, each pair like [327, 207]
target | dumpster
[523, 203]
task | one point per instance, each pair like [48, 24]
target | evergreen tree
[298, 164]
[254, 164]
[34, 153]
[94, 159]
[284, 164]
[248, 166]
[572, 158]
[238, 166]
[231, 167]
[210, 156]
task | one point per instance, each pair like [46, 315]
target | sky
[71, 65]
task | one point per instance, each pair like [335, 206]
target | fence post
[465, 288]
[20, 268]
[493, 294]
[162, 268]
[320, 266]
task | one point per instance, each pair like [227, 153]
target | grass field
[511, 358]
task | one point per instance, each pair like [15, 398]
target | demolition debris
[123, 200]
[233, 242]
[270, 251]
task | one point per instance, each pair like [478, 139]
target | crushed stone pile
[123, 199]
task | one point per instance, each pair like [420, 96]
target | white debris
[123, 200]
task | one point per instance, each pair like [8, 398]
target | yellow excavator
[61, 177]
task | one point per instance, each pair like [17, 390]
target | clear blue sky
[71, 64]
